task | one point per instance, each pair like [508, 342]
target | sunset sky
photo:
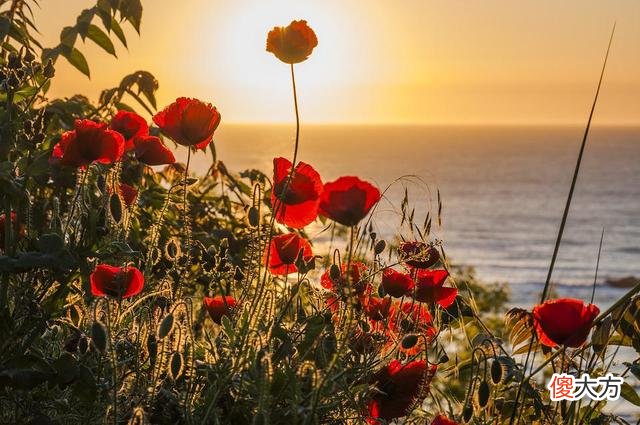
[410, 61]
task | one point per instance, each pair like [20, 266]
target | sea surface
[503, 190]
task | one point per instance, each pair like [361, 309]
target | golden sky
[404, 61]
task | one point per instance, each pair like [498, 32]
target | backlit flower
[396, 284]
[565, 321]
[418, 254]
[397, 389]
[295, 201]
[430, 289]
[151, 151]
[116, 282]
[376, 308]
[219, 306]
[348, 200]
[130, 125]
[88, 143]
[284, 251]
[188, 122]
[293, 43]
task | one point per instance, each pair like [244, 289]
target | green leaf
[68, 36]
[77, 59]
[131, 10]
[99, 37]
[628, 393]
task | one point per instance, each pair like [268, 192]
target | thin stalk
[565, 214]
[595, 278]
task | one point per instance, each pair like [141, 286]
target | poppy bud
[238, 276]
[115, 207]
[334, 272]
[496, 371]
[379, 247]
[254, 217]
[467, 413]
[165, 326]
[152, 348]
[99, 336]
[176, 365]
[483, 394]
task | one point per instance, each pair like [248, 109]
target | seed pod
[409, 341]
[254, 217]
[165, 326]
[152, 348]
[115, 206]
[496, 371]
[483, 394]
[467, 413]
[176, 365]
[99, 336]
[379, 247]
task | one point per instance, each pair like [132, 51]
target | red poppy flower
[18, 229]
[395, 283]
[219, 306]
[348, 200]
[376, 308]
[397, 389]
[443, 420]
[430, 289]
[564, 321]
[284, 252]
[89, 142]
[357, 269]
[293, 43]
[151, 151]
[130, 125]
[297, 202]
[418, 254]
[188, 122]
[128, 194]
[117, 282]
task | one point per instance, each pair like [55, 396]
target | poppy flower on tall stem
[219, 306]
[188, 122]
[130, 125]
[430, 288]
[564, 321]
[89, 142]
[293, 43]
[296, 193]
[116, 282]
[284, 251]
[397, 388]
[348, 200]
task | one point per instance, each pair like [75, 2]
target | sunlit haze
[413, 61]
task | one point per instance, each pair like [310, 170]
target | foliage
[291, 351]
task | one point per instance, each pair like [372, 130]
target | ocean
[503, 190]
